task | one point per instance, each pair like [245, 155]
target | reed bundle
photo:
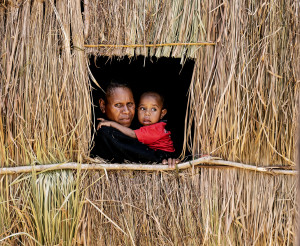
[242, 107]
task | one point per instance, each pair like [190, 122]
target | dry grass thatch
[242, 107]
[244, 92]
[45, 94]
[194, 207]
[242, 96]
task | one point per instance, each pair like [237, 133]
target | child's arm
[126, 130]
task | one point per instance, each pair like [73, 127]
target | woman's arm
[125, 130]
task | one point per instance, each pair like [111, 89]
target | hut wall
[203, 206]
[45, 102]
[242, 106]
[243, 92]
[199, 207]
[242, 95]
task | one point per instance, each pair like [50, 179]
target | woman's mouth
[125, 119]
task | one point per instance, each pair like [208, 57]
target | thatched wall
[45, 97]
[146, 22]
[209, 206]
[242, 96]
[242, 105]
[243, 92]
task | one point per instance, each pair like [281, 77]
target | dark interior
[164, 74]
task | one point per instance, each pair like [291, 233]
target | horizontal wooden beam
[206, 161]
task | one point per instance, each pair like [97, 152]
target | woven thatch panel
[200, 207]
[146, 22]
[209, 207]
[242, 96]
[45, 105]
[243, 93]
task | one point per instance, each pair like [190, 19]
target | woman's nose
[125, 109]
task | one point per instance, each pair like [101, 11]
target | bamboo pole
[208, 160]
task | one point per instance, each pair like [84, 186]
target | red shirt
[156, 137]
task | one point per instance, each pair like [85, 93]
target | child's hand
[103, 122]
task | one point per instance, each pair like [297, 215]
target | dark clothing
[113, 145]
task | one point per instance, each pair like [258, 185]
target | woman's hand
[103, 122]
[171, 162]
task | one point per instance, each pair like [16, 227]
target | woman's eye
[118, 105]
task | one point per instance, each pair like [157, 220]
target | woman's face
[120, 106]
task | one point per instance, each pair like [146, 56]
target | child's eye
[153, 109]
[142, 108]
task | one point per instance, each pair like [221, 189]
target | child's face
[150, 109]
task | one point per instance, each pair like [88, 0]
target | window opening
[141, 74]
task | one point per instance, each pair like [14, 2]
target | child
[153, 133]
